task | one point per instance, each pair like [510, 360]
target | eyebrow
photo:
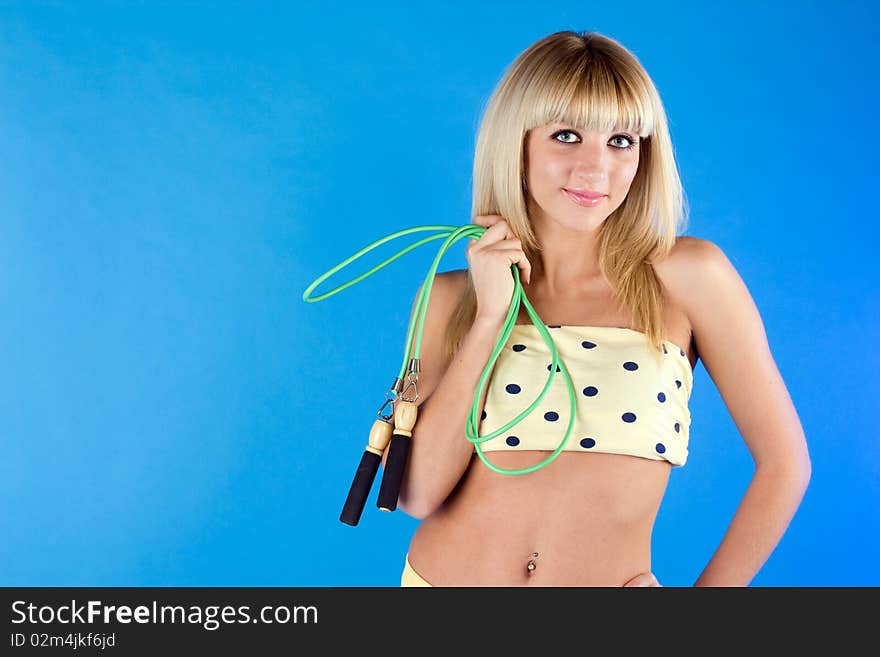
[562, 123]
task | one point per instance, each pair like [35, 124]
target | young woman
[576, 182]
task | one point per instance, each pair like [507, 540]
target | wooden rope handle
[398, 454]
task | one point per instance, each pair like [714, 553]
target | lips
[587, 194]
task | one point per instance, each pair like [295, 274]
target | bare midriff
[589, 518]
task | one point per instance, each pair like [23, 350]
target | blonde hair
[593, 82]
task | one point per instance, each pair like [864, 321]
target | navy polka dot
[512, 388]
[660, 447]
[677, 427]
[483, 416]
[557, 367]
[513, 441]
[587, 443]
[628, 417]
[661, 397]
[591, 391]
[681, 350]
[586, 344]
[631, 366]
[519, 347]
[551, 416]
[677, 383]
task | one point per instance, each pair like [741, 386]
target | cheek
[625, 176]
[550, 176]
[546, 168]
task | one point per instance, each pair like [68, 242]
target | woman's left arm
[731, 341]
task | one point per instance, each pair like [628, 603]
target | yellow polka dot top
[631, 398]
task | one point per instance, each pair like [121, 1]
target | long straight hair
[589, 81]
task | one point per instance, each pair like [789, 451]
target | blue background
[175, 175]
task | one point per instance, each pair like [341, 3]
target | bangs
[589, 94]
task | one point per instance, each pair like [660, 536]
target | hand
[491, 258]
[644, 579]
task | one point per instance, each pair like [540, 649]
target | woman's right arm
[440, 452]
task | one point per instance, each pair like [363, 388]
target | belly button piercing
[530, 566]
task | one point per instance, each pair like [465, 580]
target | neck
[568, 262]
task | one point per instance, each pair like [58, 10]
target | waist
[588, 516]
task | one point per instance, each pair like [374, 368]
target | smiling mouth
[584, 201]
[585, 194]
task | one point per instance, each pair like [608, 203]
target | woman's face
[561, 158]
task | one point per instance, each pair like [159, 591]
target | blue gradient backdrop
[175, 175]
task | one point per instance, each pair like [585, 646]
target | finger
[486, 219]
[494, 234]
[635, 581]
[652, 580]
[515, 257]
[482, 241]
[643, 579]
[525, 269]
[513, 247]
[501, 227]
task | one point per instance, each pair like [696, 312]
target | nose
[592, 159]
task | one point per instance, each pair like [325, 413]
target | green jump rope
[403, 415]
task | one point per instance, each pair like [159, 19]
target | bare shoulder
[449, 286]
[705, 283]
[457, 278]
[445, 293]
[686, 252]
[730, 337]
[446, 288]
[682, 268]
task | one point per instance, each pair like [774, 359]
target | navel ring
[531, 565]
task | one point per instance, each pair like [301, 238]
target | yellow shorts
[410, 577]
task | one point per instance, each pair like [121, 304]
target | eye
[563, 132]
[632, 142]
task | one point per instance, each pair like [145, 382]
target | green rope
[417, 321]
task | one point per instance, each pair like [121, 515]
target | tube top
[631, 398]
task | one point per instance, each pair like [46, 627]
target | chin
[582, 222]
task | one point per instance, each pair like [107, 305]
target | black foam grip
[360, 488]
[392, 477]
